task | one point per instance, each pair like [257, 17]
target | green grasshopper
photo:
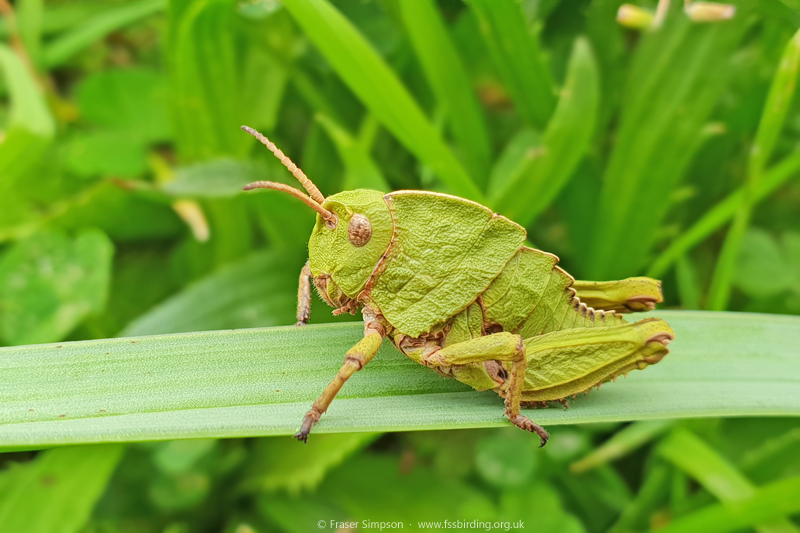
[453, 287]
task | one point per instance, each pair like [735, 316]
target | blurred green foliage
[624, 152]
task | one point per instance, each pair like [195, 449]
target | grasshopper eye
[359, 231]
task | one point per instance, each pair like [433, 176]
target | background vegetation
[670, 152]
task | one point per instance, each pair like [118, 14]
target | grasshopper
[454, 288]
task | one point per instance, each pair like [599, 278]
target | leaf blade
[564, 142]
[516, 55]
[445, 72]
[261, 382]
[378, 87]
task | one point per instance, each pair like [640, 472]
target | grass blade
[652, 149]
[57, 491]
[772, 502]
[379, 88]
[621, 443]
[712, 471]
[652, 494]
[29, 129]
[564, 142]
[516, 55]
[207, 119]
[770, 125]
[261, 382]
[29, 22]
[361, 171]
[717, 216]
[445, 72]
[97, 27]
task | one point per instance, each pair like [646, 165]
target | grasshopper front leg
[304, 295]
[501, 346]
[357, 358]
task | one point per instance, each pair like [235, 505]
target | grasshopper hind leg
[504, 347]
[595, 356]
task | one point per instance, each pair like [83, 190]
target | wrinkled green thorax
[445, 253]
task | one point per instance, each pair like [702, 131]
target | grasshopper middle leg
[502, 346]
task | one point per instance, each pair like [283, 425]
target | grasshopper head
[345, 256]
[352, 232]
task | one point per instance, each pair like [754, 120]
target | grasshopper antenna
[329, 217]
[307, 184]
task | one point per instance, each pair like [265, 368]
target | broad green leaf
[447, 77]
[418, 494]
[105, 153]
[517, 56]
[258, 291]
[564, 143]
[721, 213]
[96, 27]
[775, 501]
[538, 506]
[772, 119]
[180, 456]
[218, 178]
[677, 71]
[279, 464]
[761, 269]
[132, 100]
[49, 283]
[506, 460]
[121, 213]
[379, 88]
[57, 491]
[262, 381]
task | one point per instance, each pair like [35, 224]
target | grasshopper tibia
[357, 357]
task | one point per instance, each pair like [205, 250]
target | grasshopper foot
[311, 418]
[527, 424]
